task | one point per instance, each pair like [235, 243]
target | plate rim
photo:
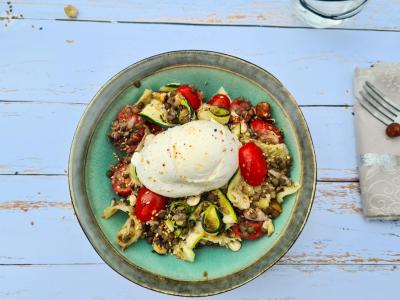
[194, 288]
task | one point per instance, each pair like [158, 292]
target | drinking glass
[327, 13]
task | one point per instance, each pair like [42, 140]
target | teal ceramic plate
[215, 270]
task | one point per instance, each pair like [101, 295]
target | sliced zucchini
[274, 151]
[179, 203]
[129, 233]
[141, 144]
[170, 225]
[287, 190]
[235, 129]
[226, 208]
[243, 127]
[158, 247]
[186, 104]
[178, 231]
[114, 207]
[211, 220]
[212, 112]
[184, 249]
[202, 206]
[235, 194]
[159, 96]
[222, 239]
[219, 111]
[170, 87]
[146, 97]
[133, 175]
[184, 116]
[156, 113]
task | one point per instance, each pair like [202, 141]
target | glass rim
[340, 16]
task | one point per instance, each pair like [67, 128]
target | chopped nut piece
[193, 200]
[71, 11]
[234, 245]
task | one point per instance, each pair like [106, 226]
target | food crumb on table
[71, 11]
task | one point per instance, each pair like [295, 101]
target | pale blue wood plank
[332, 131]
[336, 232]
[45, 132]
[382, 14]
[315, 65]
[38, 222]
[281, 282]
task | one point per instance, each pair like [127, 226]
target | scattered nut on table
[393, 130]
[71, 11]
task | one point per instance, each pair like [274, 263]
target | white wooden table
[50, 67]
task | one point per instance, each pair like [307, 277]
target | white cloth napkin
[379, 155]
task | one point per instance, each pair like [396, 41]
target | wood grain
[53, 124]
[378, 15]
[282, 282]
[39, 226]
[50, 69]
[69, 62]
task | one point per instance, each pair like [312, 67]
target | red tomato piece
[148, 204]
[253, 166]
[248, 230]
[220, 100]
[191, 95]
[264, 128]
[121, 182]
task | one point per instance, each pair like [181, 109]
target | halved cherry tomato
[120, 181]
[191, 95]
[148, 204]
[248, 230]
[264, 128]
[220, 100]
[253, 166]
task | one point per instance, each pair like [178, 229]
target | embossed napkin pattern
[379, 155]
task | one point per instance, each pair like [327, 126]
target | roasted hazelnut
[393, 130]
[71, 11]
[263, 110]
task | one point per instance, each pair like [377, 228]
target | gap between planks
[199, 24]
[85, 104]
[278, 263]
[322, 180]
